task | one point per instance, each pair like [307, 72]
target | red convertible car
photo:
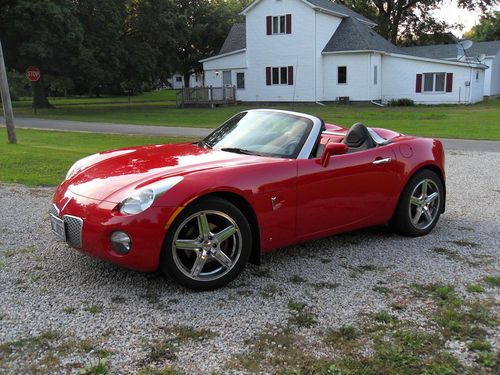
[264, 179]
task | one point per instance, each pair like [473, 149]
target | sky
[453, 14]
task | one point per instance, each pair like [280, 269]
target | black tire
[412, 200]
[213, 251]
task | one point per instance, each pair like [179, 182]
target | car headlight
[143, 198]
[80, 164]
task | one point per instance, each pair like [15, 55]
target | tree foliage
[406, 21]
[488, 28]
[108, 46]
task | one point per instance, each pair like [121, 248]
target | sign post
[7, 105]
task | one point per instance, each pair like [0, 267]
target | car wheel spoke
[203, 225]
[428, 216]
[225, 233]
[431, 198]
[418, 215]
[223, 259]
[424, 188]
[199, 263]
[415, 201]
[187, 244]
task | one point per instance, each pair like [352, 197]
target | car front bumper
[89, 224]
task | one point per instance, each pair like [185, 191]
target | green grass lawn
[42, 158]
[160, 95]
[479, 121]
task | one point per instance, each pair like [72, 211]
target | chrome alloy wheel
[424, 204]
[207, 245]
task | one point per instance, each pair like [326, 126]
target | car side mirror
[332, 149]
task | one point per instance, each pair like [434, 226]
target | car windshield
[266, 133]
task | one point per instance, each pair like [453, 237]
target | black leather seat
[358, 138]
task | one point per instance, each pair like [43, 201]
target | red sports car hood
[112, 175]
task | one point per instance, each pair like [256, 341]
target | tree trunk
[39, 95]
[187, 77]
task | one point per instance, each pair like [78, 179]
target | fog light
[121, 242]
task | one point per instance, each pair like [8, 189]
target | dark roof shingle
[448, 51]
[339, 8]
[352, 35]
[236, 39]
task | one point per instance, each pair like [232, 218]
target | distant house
[177, 80]
[490, 52]
[319, 51]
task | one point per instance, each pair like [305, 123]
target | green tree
[488, 28]
[205, 26]
[43, 33]
[102, 49]
[151, 32]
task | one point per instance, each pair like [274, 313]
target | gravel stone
[47, 286]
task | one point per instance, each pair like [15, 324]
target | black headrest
[358, 135]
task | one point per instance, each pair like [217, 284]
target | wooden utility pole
[7, 105]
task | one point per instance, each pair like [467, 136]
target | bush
[403, 102]
[19, 86]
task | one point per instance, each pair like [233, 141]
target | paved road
[95, 127]
[98, 127]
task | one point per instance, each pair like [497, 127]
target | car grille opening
[74, 226]
[54, 211]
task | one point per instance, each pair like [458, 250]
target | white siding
[357, 87]
[399, 81]
[375, 86]
[325, 26]
[492, 76]
[214, 68]
[295, 49]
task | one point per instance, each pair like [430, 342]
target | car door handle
[382, 161]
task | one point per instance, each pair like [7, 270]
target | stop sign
[33, 73]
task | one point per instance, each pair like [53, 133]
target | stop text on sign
[33, 73]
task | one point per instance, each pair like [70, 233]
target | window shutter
[269, 21]
[268, 76]
[288, 23]
[290, 75]
[449, 82]
[419, 83]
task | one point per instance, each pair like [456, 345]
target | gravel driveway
[61, 310]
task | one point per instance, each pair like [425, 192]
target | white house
[177, 80]
[319, 51]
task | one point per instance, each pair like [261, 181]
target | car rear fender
[416, 154]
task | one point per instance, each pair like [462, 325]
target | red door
[354, 190]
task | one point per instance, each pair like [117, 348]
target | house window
[434, 82]
[477, 76]
[279, 24]
[178, 79]
[342, 74]
[280, 76]
[375, 75]
[240, 80]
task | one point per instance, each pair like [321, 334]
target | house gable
[327, 6]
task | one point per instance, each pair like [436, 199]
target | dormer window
[279, 24]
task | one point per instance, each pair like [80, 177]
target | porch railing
[204, 96]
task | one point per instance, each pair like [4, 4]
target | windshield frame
[308, 145]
